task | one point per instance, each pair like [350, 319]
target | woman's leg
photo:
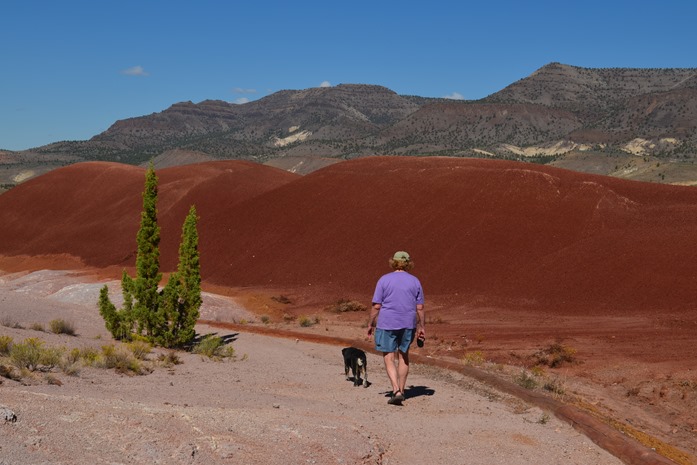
[391, 369]
[402, 370]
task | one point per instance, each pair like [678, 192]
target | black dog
[355, 360]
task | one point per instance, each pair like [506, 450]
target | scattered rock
[8, 415]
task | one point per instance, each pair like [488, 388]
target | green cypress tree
[189, 273]
[117, 322]
[169, 309]
[148, 276]
[107, 310]
[166, 318]
[181, 298]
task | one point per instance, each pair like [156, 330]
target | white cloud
[134, 71]
[240, 90]
[455, 96]
[325, 84]
[241, 100]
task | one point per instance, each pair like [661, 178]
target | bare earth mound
[514, 258]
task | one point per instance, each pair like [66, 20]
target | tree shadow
[227, 338]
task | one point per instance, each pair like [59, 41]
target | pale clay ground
[281, 402]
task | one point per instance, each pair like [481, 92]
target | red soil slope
[92, 210]
[519, 232]
[512, 232]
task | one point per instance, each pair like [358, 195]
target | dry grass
[475, 358]
[36, 327]
[346, 305]
[555, 356]
[526, 380]
[60, 326]
[664, 449]
[214, 347]
[21, 360]
[306, 321]
[169, 359]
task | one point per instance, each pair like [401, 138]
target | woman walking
[396, 319]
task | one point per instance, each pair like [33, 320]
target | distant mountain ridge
[559, 109]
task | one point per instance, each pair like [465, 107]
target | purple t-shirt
[398, 294]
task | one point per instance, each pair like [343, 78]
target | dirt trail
[284, 400]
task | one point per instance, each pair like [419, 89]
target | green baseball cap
[401, 255]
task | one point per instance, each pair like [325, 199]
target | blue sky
[69, 69]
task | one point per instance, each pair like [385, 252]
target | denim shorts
[389, 340]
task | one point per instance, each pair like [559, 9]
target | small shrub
[208, 346]
[120, 360]
[169, 359]
[27, 354]
[134, 366]
[555, 356]
[345, 305]
[51, 357]
[70, 369]
[89, 356]
[555, 386]
[61, 327]
[227, 351]
[213, 347]
[7, 372]
[107, 355]
[9, 323]
[5, 345]
[525, 380]
[544, 418]
[139, 349]
[473, 358]
[265, 319]
[305, 321]
[73, 356]
[36, 327]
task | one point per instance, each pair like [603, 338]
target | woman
[396, 318]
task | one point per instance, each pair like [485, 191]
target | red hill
[508, 232]
[476, 228]
[92, 210]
